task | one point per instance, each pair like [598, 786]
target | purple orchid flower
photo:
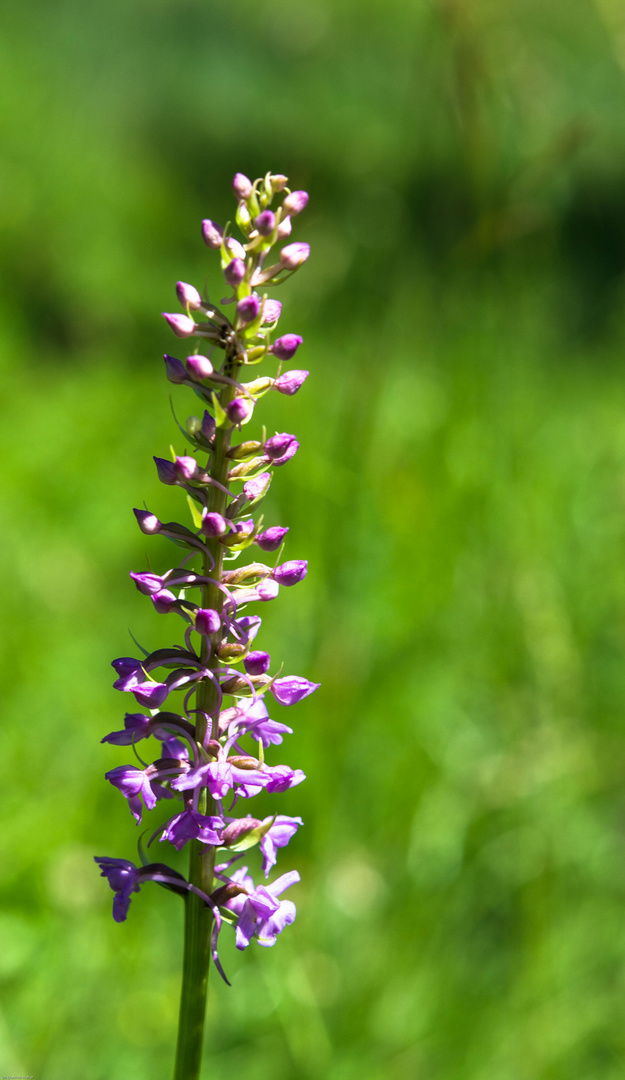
[190, 825]
[261, 914]
[208, 747]
[255, 721]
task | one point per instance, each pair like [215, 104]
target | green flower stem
[198, 916]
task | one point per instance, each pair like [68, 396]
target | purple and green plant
[211, 743]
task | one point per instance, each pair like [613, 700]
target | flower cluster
[212, 740]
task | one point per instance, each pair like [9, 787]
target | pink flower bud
[265, 223]
[279, 182]
[253, 489]
[212, 233]
[188, 295]
[213, 524]
[235, 248]
[181, 325]
[290, 382]
[163, 601]
[239, 409]
[286, 346]
[271, 311]
[271, 538]
[176, 371]
[248, 308]
[289, 573]
[199, 367]
[148, 523]
[268, 589]
[281, 448]
[166, 470]
[242, 186]
[257, 663]
[295, 202]
[284, 228]
[293, 255]
[207, 621]
[186, 468]
[234, 272]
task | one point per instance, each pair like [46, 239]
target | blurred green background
[460, 494]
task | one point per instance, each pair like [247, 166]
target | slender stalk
[198, 917]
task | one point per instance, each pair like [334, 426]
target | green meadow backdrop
[459, 492]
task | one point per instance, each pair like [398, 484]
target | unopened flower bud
[281, 448]
[286, 346]
[291, 689]
[270, 539]
[295, 202]
[229, 650]
[293, 255]
[208, 424]
[199, 367]
[239, 409]
[148, 523]
[279, 182]
[235, 248]
[238, 829]
[163, 601]
[166, 470]
[268, 589]
[212, 233]
[186, 468]
[271, 311]
[289, 573]
[148, 584]
[238, 533]
[257, 663]
[290, 382]
[188, 295]
[176, 371]
[182, 325]
[213, 524]
[207, 621]
[284, 228]
[248, 308]
[253, 489]
[234, 272]
[265, 223]
[242, 186]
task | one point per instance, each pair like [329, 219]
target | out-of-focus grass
[459, 492]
